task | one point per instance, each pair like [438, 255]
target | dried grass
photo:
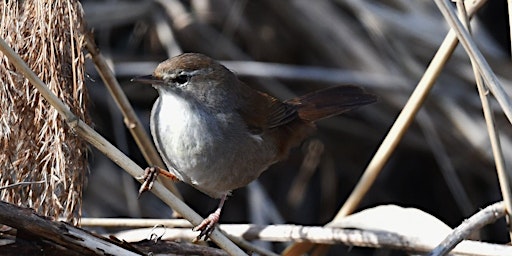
[36, 145]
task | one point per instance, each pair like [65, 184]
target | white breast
[210, 151]
[183, 135]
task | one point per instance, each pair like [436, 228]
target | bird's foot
[149, 177]
[207, 226]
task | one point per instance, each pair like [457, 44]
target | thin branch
[476, 57]
[131, 120]
[130, 222]
[95, 139]
[486, 216]
[24, 183]
[483, 91]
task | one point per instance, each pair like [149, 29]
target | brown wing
[261, 111]
[279, 122]
[292, 121]
[330, 102]
[280, 113]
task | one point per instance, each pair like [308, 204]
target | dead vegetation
[40, 156]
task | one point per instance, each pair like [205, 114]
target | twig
[486, 216]
[25, 183]
[491, 128]
[130, 222]
[131, 120]
[476, 57]
[95, 139]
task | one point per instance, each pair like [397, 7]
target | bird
[217, 134]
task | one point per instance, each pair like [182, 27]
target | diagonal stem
[483, 91]
[476, 57]
[131, 120]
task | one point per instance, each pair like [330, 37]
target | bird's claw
[150, 175]
[207, 226]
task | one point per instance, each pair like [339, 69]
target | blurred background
[443, 166]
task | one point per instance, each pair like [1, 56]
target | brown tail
[330, 102]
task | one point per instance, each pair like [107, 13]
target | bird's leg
[150, 175]
[208, 224]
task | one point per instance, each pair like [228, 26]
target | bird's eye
[181, 79]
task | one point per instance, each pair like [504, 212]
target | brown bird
[218, 134]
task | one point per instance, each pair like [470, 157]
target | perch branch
[131, 120]
[328, 235]
[42, 234]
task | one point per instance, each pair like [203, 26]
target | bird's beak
[149, 79]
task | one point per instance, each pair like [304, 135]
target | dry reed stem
[483, 71]
[36, 143]
[131, 120]
[476, 57]
[129, 222]
[483, 92]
